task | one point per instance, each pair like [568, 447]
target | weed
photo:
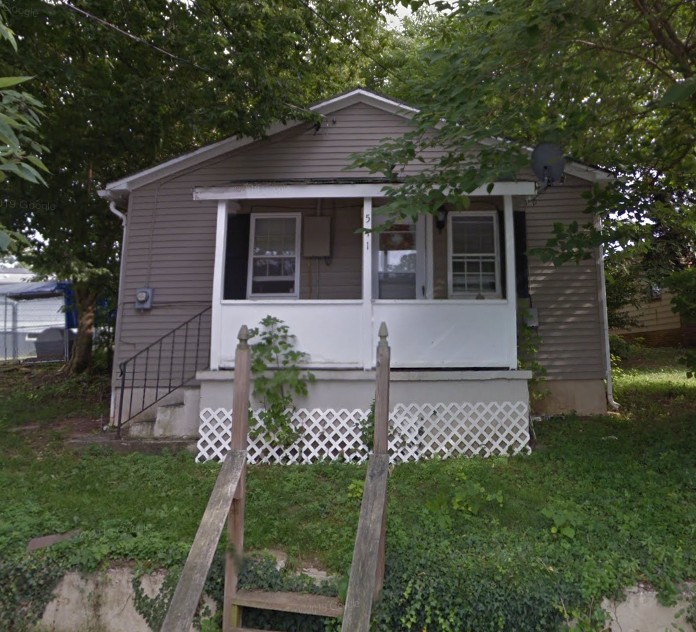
[277, 380]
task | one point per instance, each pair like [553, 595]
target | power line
[159, 49]
[342, 36]
[135, 38]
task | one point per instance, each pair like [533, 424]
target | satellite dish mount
[548, 163]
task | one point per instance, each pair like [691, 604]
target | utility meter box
[316, 236]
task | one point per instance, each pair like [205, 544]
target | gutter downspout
[605, 324]
[122, 216]
[117, 213]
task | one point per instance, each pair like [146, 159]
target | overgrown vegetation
[42, 394]
[278, 379]
[521, 543]
[528, 343]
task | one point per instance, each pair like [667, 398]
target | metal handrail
[191, 332]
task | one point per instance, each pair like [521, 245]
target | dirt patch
[641, 611]
[60, 431]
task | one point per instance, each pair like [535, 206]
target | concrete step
[179, 419]
[301, 603]
[169, 420]
[144, 429]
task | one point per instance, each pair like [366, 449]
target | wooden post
[381, 439]
[382, 392]
[231, 615]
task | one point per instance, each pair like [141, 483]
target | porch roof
[294, 189]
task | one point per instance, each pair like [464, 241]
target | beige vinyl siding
[567, 297]
[170, 239]
[653, 315]
[322, 153]
[170, 248]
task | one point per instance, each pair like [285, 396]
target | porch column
[510, 281]
[366, 324]
[218, 275]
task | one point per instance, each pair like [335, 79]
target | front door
[400, 262]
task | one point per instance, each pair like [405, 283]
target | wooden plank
[231, 615]
[190, 587]
[363, 571]
[301, 603]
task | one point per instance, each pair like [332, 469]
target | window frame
[496, 245]
[250, 268]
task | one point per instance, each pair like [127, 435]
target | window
[474, 270]
[273, 256]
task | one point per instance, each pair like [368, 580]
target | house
[237, 230]
[656, 325]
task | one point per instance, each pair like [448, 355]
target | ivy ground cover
[521, 543]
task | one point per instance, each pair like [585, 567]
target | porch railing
[165, 365]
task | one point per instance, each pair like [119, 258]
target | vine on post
[278, 379]
[528, 343]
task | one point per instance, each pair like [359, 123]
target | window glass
[274, 256]
[473, 256]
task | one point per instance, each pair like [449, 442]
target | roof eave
[121, 189]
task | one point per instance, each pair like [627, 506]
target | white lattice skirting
[416, 431]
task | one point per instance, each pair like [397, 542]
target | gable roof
[121, 188]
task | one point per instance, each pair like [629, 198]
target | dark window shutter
[236, 257]
[501, 251]
[521, 264]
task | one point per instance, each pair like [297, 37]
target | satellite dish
[548, 163]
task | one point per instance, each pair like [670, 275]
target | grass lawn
[499, 544]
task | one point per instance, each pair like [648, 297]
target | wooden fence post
[381, 438]
[235, 522]
[382, 392]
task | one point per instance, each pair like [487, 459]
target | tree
[612, 82]
[147, 81]
[19, 122]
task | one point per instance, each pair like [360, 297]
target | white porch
[425, 332]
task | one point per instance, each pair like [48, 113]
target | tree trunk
[86, 303]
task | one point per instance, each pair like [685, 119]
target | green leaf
[37, 162]
[7, 135]
[568, 532]
[5, 240]
[679, 92]
[6, 82]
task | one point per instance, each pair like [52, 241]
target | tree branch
[628, 53]
[667, 38]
